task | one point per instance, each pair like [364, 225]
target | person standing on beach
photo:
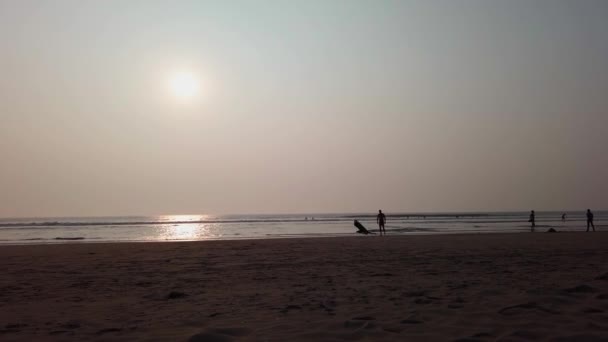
[381, 220]
[590, 220]
[532, 220]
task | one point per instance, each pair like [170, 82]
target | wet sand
[448, 287]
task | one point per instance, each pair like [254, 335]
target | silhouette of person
[564, 217]
[381, 220]
[532, 220]
[590, 220]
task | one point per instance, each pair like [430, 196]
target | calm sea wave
[229, 227]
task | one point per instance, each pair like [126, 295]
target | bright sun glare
[184, 85]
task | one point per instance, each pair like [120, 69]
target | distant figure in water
[564, 217]
[381, 219]
[590, 220]
[532, 220]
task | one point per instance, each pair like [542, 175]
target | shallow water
[229, 227]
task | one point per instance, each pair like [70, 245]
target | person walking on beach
[590, 220]
[381, 220]
[532, 220]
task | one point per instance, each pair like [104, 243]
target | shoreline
[305, 237]
[79, 240]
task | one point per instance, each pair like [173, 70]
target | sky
[302, 106]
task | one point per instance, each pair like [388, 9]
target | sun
[184, 85]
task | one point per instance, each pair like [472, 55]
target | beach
[468, 287]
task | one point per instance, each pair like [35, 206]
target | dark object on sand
[551, 230]
[362, 230]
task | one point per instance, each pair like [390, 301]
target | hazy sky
[304, 106]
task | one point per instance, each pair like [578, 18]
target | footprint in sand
[518, 309]
[109, 330]
[602, 277]
[210, 337]
[12, 328]
[482, 335]
[423, 301]
[71, 325]
[414, 293]
[57, 332]
[176, 295]
[581, 337]
[291, 307]
[581, 289]
[362, 323]
[219, 335]
[525, 335]
[411, 320]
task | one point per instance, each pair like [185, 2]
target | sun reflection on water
[188, 227]
[184, 218]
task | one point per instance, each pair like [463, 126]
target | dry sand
[449, 287]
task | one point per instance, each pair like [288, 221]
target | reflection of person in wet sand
[532, 220]
[590, 220]
[381, 220]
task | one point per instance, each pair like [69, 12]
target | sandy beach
[445, 287]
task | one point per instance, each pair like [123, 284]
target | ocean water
[230, 227]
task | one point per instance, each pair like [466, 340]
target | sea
[57, 230]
